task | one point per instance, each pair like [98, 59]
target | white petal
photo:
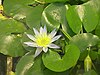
[53, 33]
[45, 49]
[56, 38]
[45, 29]
[31, 37]
[32, 44]
[38, 51]
[41, 30]
[53, 46]
[36, 31]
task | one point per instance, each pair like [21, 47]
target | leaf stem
[81, 29]
[66, 34]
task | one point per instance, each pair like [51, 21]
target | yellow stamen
[43, 40]
[1, 16]
[1, 7]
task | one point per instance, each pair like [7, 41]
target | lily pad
[84, 40]
[84, 15]
[34, 18]
[17, 9]
[91, 17]
[25, 63]
[53, 61]
[36, 69]
[11, 33]
[53, 15]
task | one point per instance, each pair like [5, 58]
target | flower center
[43, 40]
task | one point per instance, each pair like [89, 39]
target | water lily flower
[42, 40]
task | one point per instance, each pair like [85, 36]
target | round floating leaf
[38, 69]
[91, 16]
[53, 61]
[96, 4]
[53, 15]
[84, 40]
[83, 15]
[17, 9]
[73, 19]
[11, 45]
[34, 18]
[11, 34]
[9, 26]
[24, 64]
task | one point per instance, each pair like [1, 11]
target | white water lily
[42, 40]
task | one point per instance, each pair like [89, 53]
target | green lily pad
[36, 69]
[11, 34]
[53, 15]
[11, 45]
[25, 11]
[84, 40]
[84, 15]
[17, 9]
[53, 61]
[9, 26]
[73, 19]
[25, 64]
[34, 18]
[91, 16]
